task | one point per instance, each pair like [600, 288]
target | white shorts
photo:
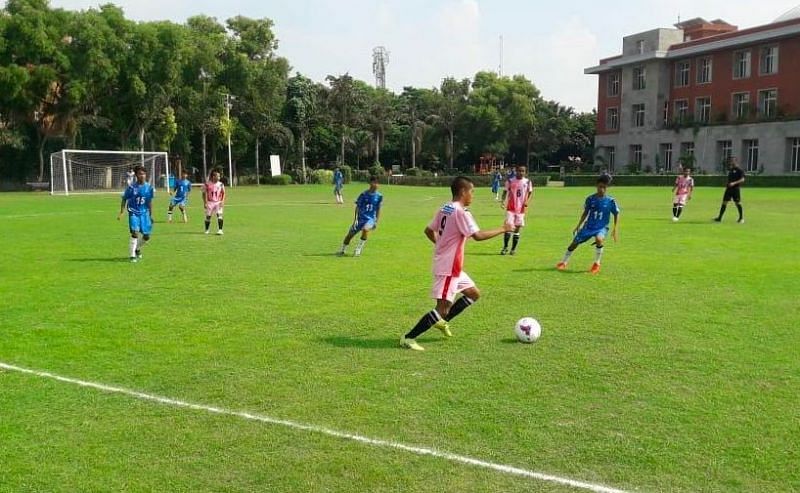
[447, 287]
[515, 219]
[681, 199]
[213, 208]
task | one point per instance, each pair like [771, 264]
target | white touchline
[463, 459]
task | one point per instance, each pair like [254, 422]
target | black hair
[373, 179]
[603, 179]
[138, 168]
[460, 183]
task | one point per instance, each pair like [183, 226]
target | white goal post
[83, 171]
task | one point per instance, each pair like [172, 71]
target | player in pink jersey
[449, 231]
[214, 200]
[516, 197]
[684, 186]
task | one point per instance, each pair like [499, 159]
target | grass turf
[676, 369]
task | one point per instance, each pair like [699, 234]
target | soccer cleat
[340, 253]
[139, 254]
[220, 233]
[208, 232]
[357, 253]
[675, 219]
[513, 252]
[169, 219]
[740, 221]
[134, 260]
[444, 327]
[504, 251]
[561, 266]
[595, 268]
[410, 344]
[717, 219]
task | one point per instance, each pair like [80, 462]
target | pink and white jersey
[215, 192]
[517, 192]
[454, 225]
[683, 185]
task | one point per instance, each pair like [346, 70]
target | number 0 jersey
[599, 211]
[454, 225]
[138, 198]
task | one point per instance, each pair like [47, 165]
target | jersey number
[519, 193]
[442, 225]
[140, 200]
[368, 208]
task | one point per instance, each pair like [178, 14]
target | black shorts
[733, 193]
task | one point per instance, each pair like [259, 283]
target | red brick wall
[604, 102]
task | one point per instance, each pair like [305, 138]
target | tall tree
[450, 106]
[346, 99]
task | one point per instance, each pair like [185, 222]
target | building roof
[791, 14]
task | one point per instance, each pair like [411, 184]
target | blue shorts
[495, 188]
[362, 224]
[140, 223]
[585, 235]
[181, 201]
[337, 189]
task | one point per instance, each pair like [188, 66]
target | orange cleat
[595, 268]
[561, 266]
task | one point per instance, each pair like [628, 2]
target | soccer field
[675, 369]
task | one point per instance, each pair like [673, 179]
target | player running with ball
[516, 197]
[449, 231]
[593, 224]
[138, 198]
[214, 201]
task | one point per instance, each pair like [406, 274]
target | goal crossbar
[99, 171]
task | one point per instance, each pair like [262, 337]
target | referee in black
[733, 191]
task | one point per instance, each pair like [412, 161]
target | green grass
[676, 369]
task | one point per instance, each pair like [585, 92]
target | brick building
[701, 92]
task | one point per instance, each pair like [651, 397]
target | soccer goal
[80, 171]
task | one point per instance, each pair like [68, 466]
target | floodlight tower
[380, 59]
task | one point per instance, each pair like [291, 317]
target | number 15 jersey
[453, 225]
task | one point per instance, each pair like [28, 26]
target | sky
[550, 42]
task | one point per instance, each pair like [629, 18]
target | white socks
[133, 244]
[360, 246]
[598, 255]
[567, 256]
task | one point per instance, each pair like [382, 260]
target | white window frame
[700, 115]
[762, 101]
[775, 62]
[734, 113]
[636, 110]
[794, 156]
[639, 78]
[681, 116]
[614, 120]
[666, 154]
[683, 73]
[751, 154]
[725, 150]
[701, 79]
[748, 69]
[666, 112]
[637, 154]
[616, 78]
[687, 148]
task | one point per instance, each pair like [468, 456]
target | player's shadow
[549, 270]
[368, 343]
[100, 259]
[326, 254]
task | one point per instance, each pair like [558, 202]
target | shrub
[700, 180]
[482, 181]
[417, 172]
[347, 171]
[321, 177]
[377, 170]
[276, 180]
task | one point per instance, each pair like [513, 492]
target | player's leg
[209, 212]
[725, 201]
[510, 219]
[599, 243]
[737, 199]
[169, 211]
[519, 222]
[146, 229]
[184, 217]
[133, 243]
[570, 250]
[675, 210]
[444, 292]
[364, 235]
[219, 221]
[469, 295]
[347, 238]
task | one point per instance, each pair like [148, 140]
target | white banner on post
[275, 165]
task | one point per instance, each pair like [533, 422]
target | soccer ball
[528, 330]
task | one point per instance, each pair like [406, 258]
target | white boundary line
[462, 459]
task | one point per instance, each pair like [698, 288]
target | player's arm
[737, 182]
[378, 214]
[121, 207]
[489, 234]
[205, 196]
[431, 234]
[614, 231]
[582, 220]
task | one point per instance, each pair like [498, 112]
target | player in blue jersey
[593, 224]
[338, 185]
[138, 199]
[368, 212]
[180, 196]
[497, 180]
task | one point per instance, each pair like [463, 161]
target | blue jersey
[496, 179]
[138, 198]
[369, 204]
[599, 211]
[338, 179]
[182, 189]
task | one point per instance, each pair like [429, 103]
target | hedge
[444, 181]
[758, 181]
[276, 180]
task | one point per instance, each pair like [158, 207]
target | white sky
[550, 42]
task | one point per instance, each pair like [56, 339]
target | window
[666, 157]
[768, 64]
[640, 46]
[612, 119]
[751, 153]
[794, 165]
[741, 105]
[687, 149]
[741, 64]
[681, 110]
[613, 85]
[704, 68]
[612, 157]
[639, 78]
[768, 103]
[666, 112]
[682, 74]
[725, 151]
[636, 155]
[638, 115]
[702, 109]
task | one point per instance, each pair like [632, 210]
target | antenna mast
[501, 56]
[380, 59]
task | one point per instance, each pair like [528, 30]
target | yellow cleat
[410, 344]
[444, 327]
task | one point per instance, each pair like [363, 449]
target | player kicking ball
[138, 199]
[597, 212]
[683, 189]
[449, 231]
[516, 197]
[180, 197]
[214, 201]
[367, 214]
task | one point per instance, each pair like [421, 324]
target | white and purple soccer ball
[528, 330]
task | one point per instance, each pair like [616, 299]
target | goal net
[77, 171]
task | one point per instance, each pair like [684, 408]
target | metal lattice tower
[380, 59]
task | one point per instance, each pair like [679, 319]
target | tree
[381, 114]
[450, 106]
[345, 99]
[414, 112]
[301, 106]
